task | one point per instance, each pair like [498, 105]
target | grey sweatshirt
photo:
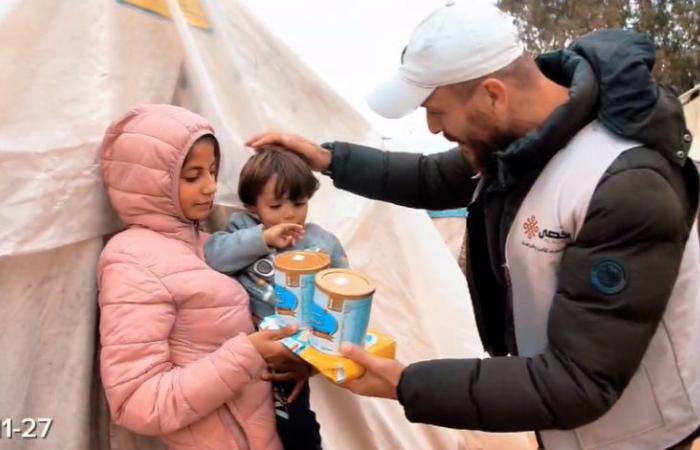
[240, 251]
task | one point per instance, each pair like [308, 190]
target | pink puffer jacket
[176, 361]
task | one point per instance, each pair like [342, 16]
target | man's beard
[481, 153]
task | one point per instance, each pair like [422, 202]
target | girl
[180, 358]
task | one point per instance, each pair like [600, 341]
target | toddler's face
[273, 210]
[197, 184]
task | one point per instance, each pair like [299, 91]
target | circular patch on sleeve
[608, 277]
[264, 267]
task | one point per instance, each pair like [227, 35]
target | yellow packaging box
[336, 368]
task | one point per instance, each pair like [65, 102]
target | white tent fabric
[47, 337]
[452, 230]
[353, 46]
[691, 108]
[68, 70]
[73, 68]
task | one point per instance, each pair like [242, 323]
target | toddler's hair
[294, 177]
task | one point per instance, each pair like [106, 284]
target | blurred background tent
[691, 107]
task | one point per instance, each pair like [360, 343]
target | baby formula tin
[294, 285]
[342, 303]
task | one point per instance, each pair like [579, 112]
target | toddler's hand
[283, 235]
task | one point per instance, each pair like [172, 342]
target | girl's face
[273, 210]
[198, 180]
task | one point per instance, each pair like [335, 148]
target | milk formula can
[341, 308]
[294, 285]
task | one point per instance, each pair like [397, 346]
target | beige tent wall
[691, 100]
[68, 69]
[47, 334]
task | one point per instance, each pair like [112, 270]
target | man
[583, 253]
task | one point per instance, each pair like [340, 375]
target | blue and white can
[295, 273]
[341, 309]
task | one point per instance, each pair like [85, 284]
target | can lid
[344, 282]
[302, 261]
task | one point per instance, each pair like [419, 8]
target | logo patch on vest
[608, 277]
[531, 227]
[544, 240]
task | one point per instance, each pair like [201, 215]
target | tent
[70, 69]
[691, 108]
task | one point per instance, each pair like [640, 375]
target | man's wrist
[399, 397]
[330, 146]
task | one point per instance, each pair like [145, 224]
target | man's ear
[497, 94]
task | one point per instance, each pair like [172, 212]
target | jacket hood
[630, 102]
[142, 155]
[608, 73]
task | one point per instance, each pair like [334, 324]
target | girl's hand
[276, 355]
[299, 372]
[283, 235]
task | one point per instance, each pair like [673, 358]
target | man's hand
[315, 156]
[283, 235]
[382, 375]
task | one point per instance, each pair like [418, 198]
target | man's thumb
[355, 353]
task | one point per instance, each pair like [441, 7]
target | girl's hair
[217, 153]
[294, 177]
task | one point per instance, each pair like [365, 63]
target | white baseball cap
[459, 42]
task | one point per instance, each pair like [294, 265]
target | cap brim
[396, 97]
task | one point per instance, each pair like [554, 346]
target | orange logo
[531, 227]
